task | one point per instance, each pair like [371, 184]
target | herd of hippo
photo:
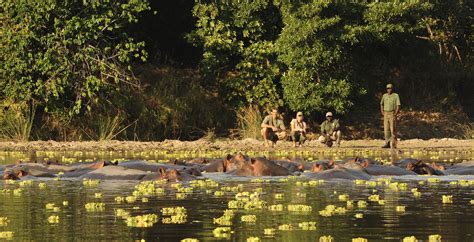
[237, 165]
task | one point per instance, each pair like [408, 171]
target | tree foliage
[68, 66]
[310, 60]
[239, 55]
[64, 53]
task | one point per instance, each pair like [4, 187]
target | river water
[55, 210]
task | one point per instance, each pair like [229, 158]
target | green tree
[239, 56]
[319, 43]
[63, 54]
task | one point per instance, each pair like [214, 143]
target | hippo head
[364, 162]
[420, 168]
[9, 175]
[439, 167]
[177, 162]
[172, 175]
[192, 171]
[246, 168]
[235, 162]
[51, 162]
[300, 167]
[322, 166]
[13, 174]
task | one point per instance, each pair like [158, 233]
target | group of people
[273, 128]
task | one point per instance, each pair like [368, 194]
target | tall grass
[16, 121]
[467, 131]
[249, 120]
[107, 128]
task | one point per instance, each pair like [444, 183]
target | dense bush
[74, 70]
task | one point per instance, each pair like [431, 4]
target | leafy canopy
[63, 53]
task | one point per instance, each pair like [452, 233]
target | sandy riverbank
[246, 144]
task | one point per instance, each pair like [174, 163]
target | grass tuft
[248, 122]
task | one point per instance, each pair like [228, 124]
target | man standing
[330, 131]
[389, 107]
[298, 130]
[273, 128]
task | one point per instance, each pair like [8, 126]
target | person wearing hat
[389, 107]
[298, 130]
[330, 131]
[273, 128]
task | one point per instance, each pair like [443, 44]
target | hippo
[228, 164]
[200, 161]
[51, 162]
[41, 170]
[52, 170]
[463, 168]
[13, 173]
[417, 166]
[260, 167]
[361, 160]
[291, 166]
[93, 165]
[215, 166]
[155, 167]
[387, 170]
[142, 165]
[338, 173]
[375, 169]
[115, 173]
[423, 169]
[172, 175]
[77, 172]
[321, 166]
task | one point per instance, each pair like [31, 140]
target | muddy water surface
[30, 209]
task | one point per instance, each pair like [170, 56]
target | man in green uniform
[273, 128]
[389, 107]
[330, 131]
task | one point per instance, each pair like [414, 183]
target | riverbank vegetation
[154, 70]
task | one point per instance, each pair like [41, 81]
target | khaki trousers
[269, 134]
[335, 136]
[389, 127]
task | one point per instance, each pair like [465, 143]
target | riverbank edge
[227, 144]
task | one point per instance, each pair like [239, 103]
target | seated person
[298, 130]
[330, 131]
[273, 128]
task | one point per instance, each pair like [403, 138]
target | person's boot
[387, 145]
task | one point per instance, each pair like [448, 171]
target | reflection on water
[424, 216]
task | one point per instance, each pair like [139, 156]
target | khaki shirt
[278, 123]
[390, 102]
[329, 127]
[297, 125]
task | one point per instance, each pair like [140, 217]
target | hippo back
[264, 167]
[339, 173]
[381, 170]
[115, 173]
[465, 170]
[143, 165]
